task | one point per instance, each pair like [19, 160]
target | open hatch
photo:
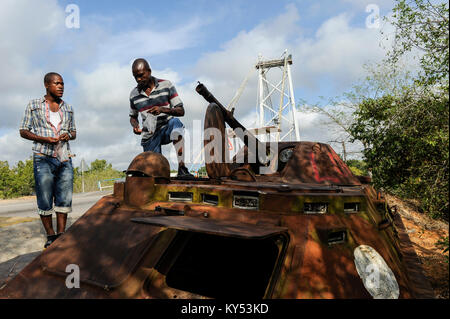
[216, 258]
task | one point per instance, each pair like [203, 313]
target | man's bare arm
[41, 139]
[175, 111]
[135, 124]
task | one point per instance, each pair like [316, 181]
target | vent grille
[180, 196]
[337, 237]
[210, 199]
[351, 207]
[315, 208]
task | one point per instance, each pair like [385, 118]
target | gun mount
[308, 229]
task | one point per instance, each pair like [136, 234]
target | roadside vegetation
[399, 113]
[18, 180]
[99, 170]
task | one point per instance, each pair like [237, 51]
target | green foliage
[24, 177]
[99, 170]
[407, 142]
[19, 180]
[16, 181]
[5, 180]
[100, 166]
[402, 118]
[358, 167]
[424, 26]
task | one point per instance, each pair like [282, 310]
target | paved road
[22, 241]
[27, 207]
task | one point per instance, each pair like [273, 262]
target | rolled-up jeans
[53, 183]
[164, 135]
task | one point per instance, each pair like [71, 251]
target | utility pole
[83, 167]
[343, 150]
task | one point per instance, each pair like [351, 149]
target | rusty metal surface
[318, 270]
[312, 163]
[216, 147]
[317, 163]
[127, 244]
[108, 255]
[213, 227]
[119, 254]
[151, 164]
[246, 136]
[138, 191]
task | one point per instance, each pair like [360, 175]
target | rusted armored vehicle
[304, 228]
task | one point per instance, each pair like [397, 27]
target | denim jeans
[164, 136]
[54, 183]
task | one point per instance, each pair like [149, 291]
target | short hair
[48, 77]
[139, 61]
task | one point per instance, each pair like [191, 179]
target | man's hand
[64, 137]
[137, 130]
[156, 110]
[52, 140]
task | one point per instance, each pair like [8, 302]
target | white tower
[282, 118]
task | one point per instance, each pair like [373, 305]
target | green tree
[423, 26]
[402, 118]
[99, 166]
[407, 147]
[24, 178]
[6, 179]
[100, 170]
[16, 181]
[358, 167]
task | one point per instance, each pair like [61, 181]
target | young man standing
[159, 104]
[49, 123]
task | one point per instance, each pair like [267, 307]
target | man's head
[54, 84]
[142, 73]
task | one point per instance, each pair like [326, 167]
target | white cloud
[102, 113]
[335, 52]
[149, 42]
[14, 148]
[334, 55]
[25, 38]
[363, 3]
[35, 40]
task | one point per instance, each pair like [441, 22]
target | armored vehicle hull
[307, 228]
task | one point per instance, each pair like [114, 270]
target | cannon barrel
[246, 136]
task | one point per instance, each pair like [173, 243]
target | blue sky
[216, 42]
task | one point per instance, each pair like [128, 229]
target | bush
[100, 170]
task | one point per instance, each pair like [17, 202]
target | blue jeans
[164, 135]
[54, 183]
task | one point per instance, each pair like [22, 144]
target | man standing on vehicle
[159, 104]
[49, 123]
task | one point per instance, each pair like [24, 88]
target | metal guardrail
[99, 183]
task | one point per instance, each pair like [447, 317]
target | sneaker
[51, 239]
[183, 172]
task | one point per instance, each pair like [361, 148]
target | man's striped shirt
[163, 94]
[37, 120]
